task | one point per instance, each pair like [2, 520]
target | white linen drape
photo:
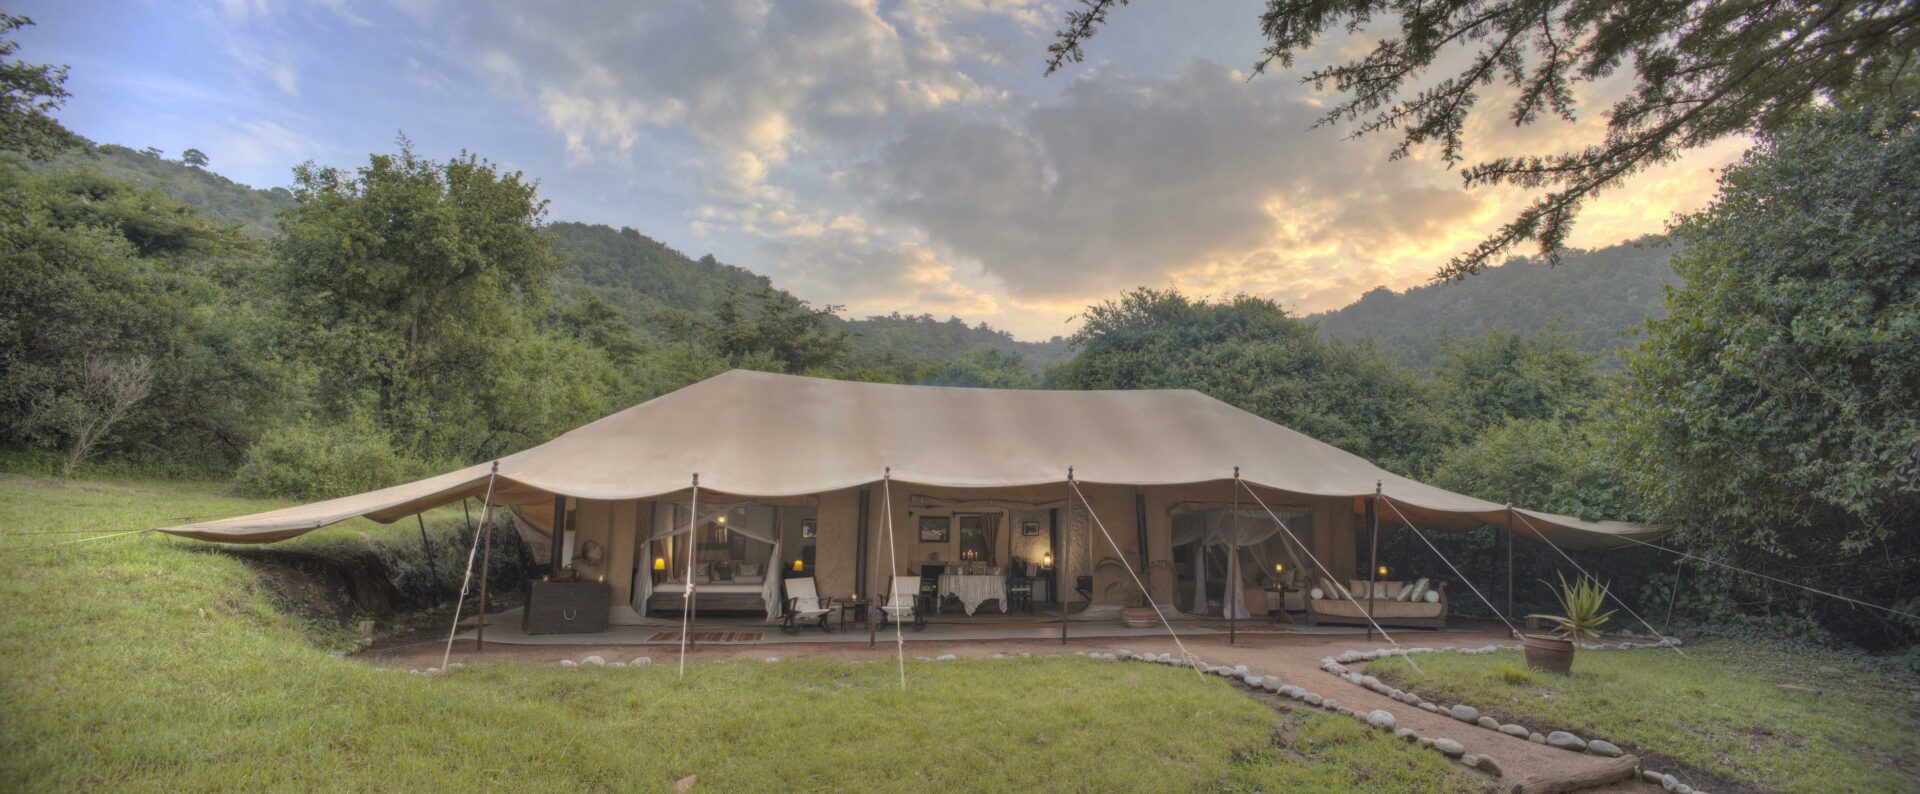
[1217, 528]
[750, 520]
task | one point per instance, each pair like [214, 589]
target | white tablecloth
[972, 589]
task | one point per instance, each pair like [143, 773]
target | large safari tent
[1176, 489]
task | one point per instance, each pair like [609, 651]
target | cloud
[888, 158]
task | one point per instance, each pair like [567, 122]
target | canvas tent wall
[762, 437]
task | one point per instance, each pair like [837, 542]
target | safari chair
[804, 605]
[902, 604]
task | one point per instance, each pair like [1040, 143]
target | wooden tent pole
[486, 560]
[865, 519]
[1066, 544]
[1510, 541]
[426, 547]
[1231, 592]
[1373, 541]
[693, 546]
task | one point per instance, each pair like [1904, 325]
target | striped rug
[710, 636]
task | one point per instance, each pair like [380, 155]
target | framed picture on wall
[808, 528]
[935, 529]
[1030, 528]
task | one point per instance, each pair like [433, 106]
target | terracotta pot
[1139, 617]
[1548, 653]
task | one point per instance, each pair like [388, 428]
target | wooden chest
[566, 607]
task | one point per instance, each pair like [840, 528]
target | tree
[29, 95]
[404, 281]
[984, 368]
[1246, 351]
[97, 397]
[194, 158]
[1516, 376]
[1705, 71]
[769, 326]
[1770, 416]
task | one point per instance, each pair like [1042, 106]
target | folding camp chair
[902, 604]
[804, 604]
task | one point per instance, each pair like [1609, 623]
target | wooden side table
[855, 609]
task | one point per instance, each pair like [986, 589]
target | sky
[903, 155]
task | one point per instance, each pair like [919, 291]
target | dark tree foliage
[29, 95]
[1704, 71]
[1515, 376]
[1246, 351]
[1772, 415]
[769, 329]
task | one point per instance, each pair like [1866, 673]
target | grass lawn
[1716, 709]
[150, 663]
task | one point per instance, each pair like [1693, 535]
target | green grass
[1716, 709]
[148, 663]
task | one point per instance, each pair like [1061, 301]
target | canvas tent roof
[756, 434]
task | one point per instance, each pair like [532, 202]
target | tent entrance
[1222, 563]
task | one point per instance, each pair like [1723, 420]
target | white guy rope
[120, 534]
[1193, 661]
[1456, 571]
[1603, 588]
[1817, 590]
[893, 567]
[1329, 574]
[486, 515]
[686, 603]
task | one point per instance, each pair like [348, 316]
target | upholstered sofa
[1389, 608]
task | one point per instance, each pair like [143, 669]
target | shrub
[313, 461]
[1513, 674]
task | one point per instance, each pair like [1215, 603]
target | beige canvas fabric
[753, 434]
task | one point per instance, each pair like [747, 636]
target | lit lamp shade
[1279, 567]
[1383, 570]
[659, 563]
[1046, 560]
[798, 566]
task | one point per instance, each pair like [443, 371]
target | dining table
[973, 589]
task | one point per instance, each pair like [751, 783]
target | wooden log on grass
[1612, 770]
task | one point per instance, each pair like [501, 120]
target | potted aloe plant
[1582, 602]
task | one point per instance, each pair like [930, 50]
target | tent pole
[865, 520]
[432, 569]
[1140, 528]
[1231, 592]
[1066, 543]
[1373, 541]
[1510, 541]
[1675, 595]
[486, 561]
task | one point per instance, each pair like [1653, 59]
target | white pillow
[1403, 591]
[1317, 594]
[746, 569]
[1419, 589]
[1433, 596]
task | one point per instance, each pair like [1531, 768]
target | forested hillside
[213, 196]
[1597, 299]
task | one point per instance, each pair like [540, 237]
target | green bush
[315, 461]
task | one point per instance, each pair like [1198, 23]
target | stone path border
[1565, 740]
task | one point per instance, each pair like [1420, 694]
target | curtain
[753, 521]
[990, 533]
[1218, 528]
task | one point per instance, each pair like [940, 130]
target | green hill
[640, 275]
[212, 195]
[1597, 298]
